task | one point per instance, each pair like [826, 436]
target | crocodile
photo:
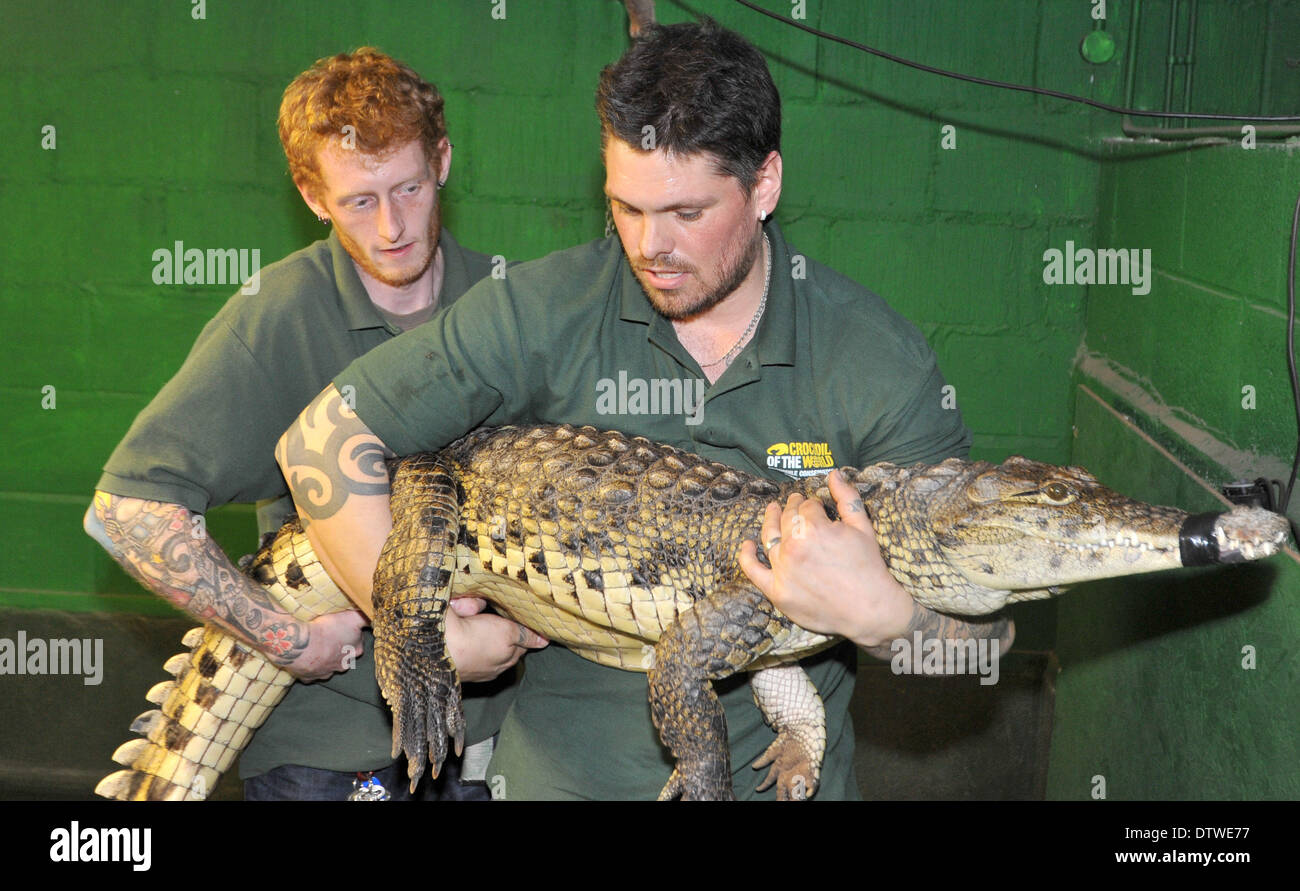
[624, 550]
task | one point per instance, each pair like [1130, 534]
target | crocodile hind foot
[716, 638]
[790, 704]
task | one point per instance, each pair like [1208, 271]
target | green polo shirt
[833, 376]
[208, 438]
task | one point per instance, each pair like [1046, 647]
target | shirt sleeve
[465, 368]
[208, 437]
[924, 425]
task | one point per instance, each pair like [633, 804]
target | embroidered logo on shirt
[798, 459]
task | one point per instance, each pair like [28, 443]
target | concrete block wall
[952, 236]
[1181, 685]
[1216, 219]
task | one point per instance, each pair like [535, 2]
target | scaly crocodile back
[224, 689]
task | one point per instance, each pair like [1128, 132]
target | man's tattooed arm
[328, 455]
[938, 626]
[164, 550]
[336, 473]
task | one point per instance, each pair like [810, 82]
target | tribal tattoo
[326, 463]
[162, 547]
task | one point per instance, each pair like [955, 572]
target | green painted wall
[1153, 694]
[1157, 694]
[165, 132]
[1216, 218]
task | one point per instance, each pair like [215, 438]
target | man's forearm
[156, 544]
[938, 626]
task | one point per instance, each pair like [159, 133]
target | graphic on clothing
[799, 459]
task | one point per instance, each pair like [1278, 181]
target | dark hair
[702, 88]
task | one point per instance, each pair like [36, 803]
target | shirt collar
[358, 308]
[456, 277]
[774, 341]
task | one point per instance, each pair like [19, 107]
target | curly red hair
[384, 101]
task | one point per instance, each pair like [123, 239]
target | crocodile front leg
[720, 635]
[412, 592]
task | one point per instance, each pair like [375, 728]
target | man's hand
[484, 644]
[829, 576]
[333, 645]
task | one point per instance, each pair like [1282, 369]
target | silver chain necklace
[758, 313]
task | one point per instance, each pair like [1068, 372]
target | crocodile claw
[793, 769]
[425, 697]
[425, 715]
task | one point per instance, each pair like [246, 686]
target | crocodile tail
[223, 688]
[223, 691]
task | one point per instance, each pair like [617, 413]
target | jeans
[292, 782]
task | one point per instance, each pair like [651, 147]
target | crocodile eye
[1057, 491]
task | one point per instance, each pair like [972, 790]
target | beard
[402, 276]
[676, 306]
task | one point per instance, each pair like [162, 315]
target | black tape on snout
[1196, 542]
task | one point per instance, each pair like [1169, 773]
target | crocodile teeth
[193, 637]
[1134, 545]
[1123, 543]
